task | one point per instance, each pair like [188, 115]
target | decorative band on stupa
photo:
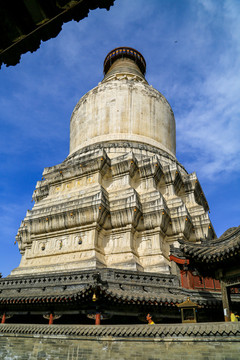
[124, 52]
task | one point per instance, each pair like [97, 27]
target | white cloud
[209, 5]
[207, 101]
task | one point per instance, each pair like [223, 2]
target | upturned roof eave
[42, 23]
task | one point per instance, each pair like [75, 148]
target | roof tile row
[220, 249]
[133, 331]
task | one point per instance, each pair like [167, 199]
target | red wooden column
[50, 319]
[97, 319]
[3, 319]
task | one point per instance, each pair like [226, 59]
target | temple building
[112, 226]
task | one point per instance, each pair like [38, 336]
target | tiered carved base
[112, 205]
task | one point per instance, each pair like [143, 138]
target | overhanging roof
[226, 247]
[123, 287]
[217, 258]
[25, 23]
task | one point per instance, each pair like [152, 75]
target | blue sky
[192, 50]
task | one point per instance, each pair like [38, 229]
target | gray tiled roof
[203, 330]
[114, 285]
[223, 248]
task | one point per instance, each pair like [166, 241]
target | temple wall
[61, 347]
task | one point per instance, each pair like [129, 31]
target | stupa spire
[124, 60]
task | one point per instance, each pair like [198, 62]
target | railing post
[50, 319]
[3, 319]
[97, 319]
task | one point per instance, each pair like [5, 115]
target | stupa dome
[123, 107]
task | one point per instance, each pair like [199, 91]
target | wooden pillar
[97, 319]
[50, 319]
[3, 319]
[226, 300]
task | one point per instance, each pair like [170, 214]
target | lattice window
[198, 282]
[217, 284]
[209, 284]
[184, 279]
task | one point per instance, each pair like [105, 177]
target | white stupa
[121, 198]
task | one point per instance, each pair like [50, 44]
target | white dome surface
[123, 107]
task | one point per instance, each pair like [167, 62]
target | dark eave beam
[25, 23]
